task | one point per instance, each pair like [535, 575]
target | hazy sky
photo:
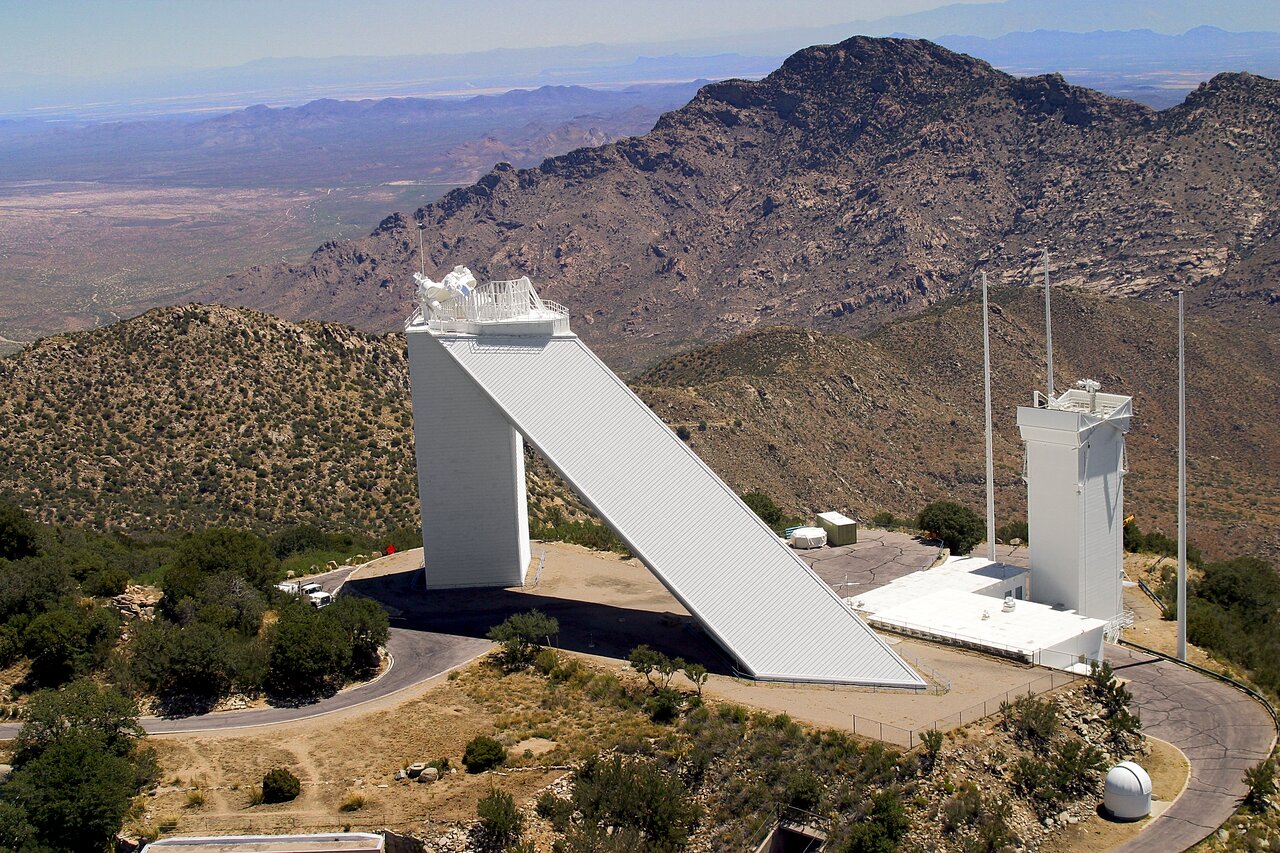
[91, 38]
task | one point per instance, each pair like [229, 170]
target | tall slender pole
[1182, 486]
[422, 259]
[1048, 325]
[986, 387]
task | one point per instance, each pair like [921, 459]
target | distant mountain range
[1152, 68]
[748, 54]
[330, 142]
[859, 182]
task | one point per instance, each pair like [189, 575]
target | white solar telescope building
[493, 366]
[1075, 468]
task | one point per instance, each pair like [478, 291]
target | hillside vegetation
[193, 417]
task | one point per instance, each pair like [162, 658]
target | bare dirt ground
[208, 779]
[607, 605]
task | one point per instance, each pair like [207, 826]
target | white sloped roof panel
[763, 604]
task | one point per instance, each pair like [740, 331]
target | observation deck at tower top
[494, 308]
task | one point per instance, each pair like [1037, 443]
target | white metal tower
[1075, 470]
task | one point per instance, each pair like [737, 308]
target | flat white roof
[959, 574]
[835, 518]
[334, 842]
[977, 619]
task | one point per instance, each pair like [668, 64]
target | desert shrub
[802, 790]
[353, 803]
[18, 533]
[637, 796]
[880, 829]
[1031, 720]
[555, 810]
[280, 786]
[1261, 780]
[1014, 530]
[441, 765]
[500, 820]
[697, 673]
[683, 432]
[522, 635]
[1076, 767]
[762, 505]
[664, 705]
[932, 741]
[884, 519]
[483, 753]
[959, 527]
[546, 662]
[962, 808]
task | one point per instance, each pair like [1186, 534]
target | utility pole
[1048, 325]
[1182, 486]
[986, 386]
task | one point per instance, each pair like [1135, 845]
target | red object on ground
[391, 549]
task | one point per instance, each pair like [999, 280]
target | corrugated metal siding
[765, 606]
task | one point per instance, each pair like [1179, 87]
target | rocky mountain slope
[184, 417]
[858, 182]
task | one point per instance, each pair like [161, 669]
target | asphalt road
[1220, 730]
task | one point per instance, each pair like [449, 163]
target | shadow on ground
[586, 627]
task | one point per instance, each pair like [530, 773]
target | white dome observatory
[1128, 792]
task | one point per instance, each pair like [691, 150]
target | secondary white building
[978, 604]
[494, 365]
[1075, 469]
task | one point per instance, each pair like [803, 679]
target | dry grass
[346, 766]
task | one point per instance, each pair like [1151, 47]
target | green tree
[69, 640]
[215, 551]
[522, 636]
[366, 624]
[297, 539]
[500, 820]
[309, 653]
[958, 527]
[74, 793]
[483, 753]
[19, 536]
[194, 660]
[697, 673]
[762, 505]
[82, 709]
[645, 661]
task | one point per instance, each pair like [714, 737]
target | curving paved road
[416, 655]
[1221, 730]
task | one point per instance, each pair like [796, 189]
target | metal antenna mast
[422, 259]
[1182, 486]
[1048, 324]
[986, 385]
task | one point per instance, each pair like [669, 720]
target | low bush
[280, 786]
[500, 820]
[483, 753]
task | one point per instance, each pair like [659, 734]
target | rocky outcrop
[858, 182]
